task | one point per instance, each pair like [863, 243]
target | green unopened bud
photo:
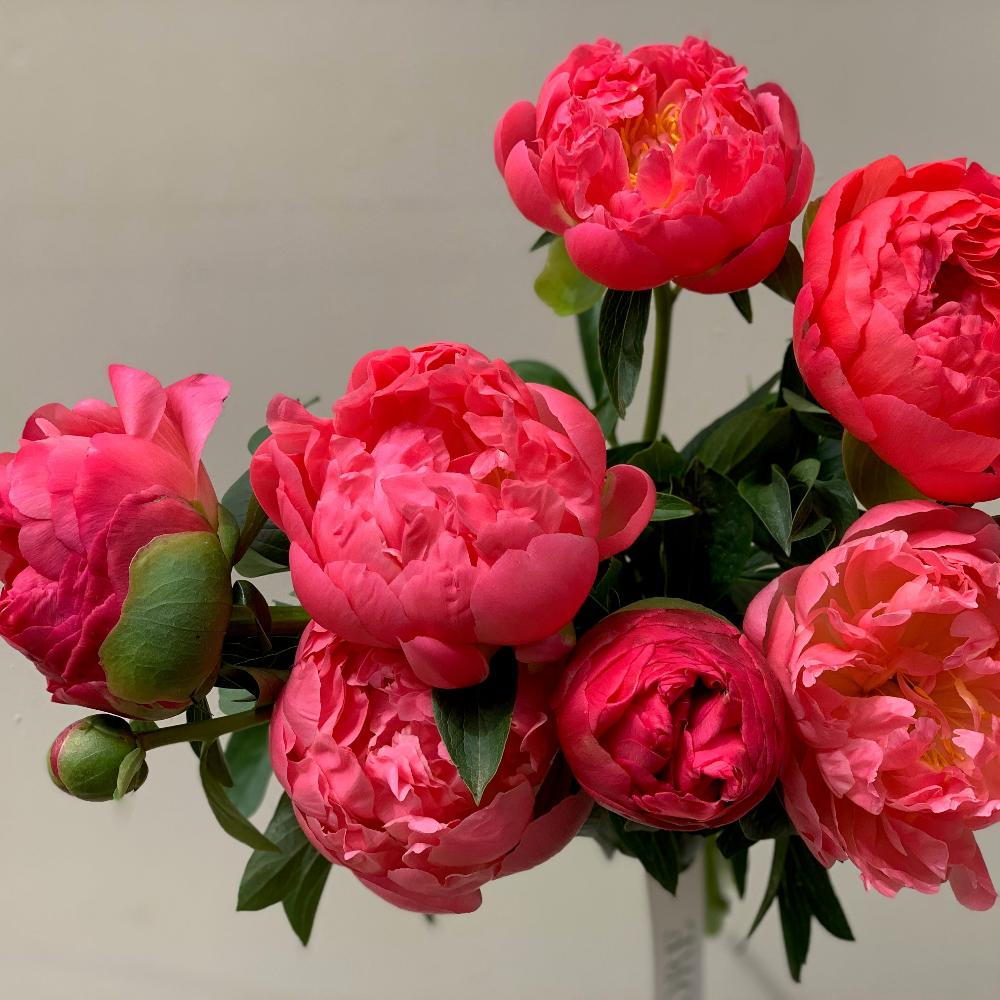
[86, 759]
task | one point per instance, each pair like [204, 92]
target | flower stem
[664, 297]
[285, 620]
[209, 729]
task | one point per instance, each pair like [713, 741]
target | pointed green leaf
[873, 480]
[474, 722]
[786, 279]
[228, 816]
[621, 334]
[741, 300]
[545, 374]
[302, 900]
[796, 929]
[270, 875]
[671, 508]
[772, 503]
[249, 761]
[762, 394]
[562, 287]
[773, 881]
[814, 881]
[544, 240]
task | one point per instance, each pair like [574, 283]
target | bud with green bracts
[86, 760]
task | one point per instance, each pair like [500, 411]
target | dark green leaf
[814, 881]
[544, 374]
[772, 503]
[258, 437]
[269, 875]
[474, 722]
[544, 240]
[268, 553]
[656, 850]
[250, 765]
[773, 881]
[796, 926]
[813, 417]
[739, 862]
[671, 508]
[607, 417]
[562, 287]
[786, 279]
[767, 820]
[873, 480]
[660, 459]
[605, 591]
[228, 816]
[586, 328]
[761, 395]
[747, 439]
[621, 333]
[724, 530]
[741, 300]
[301, 901]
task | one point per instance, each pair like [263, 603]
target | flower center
[642, 134]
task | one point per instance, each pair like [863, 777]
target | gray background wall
[266, 190]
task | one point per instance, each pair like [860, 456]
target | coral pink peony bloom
[669, 717]
[660, 165]
[889, 653]
[447, 507]
[355, 745]
[88, 488]
[898, 320]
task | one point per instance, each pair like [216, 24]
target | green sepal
[168, 641]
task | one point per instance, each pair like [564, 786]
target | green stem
[586, 328]
[201, 732]
[664, 297]
[289, 621]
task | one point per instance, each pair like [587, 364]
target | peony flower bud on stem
[209, 729]
[86, 757]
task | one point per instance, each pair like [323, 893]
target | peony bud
[87, 755]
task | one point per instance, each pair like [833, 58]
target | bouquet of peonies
[514, 628]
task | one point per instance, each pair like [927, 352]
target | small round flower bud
[86, 756]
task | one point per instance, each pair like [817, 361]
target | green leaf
[772, 503]
[739, 862]
[873, 480]
[767, 820]
[762, 394]
[621, 333]
[562, 287]
[258, 437]
[544, 374]
[228, 816]
[741, 300]
[671, 508]
[250, 766]
[474, 722]
[656, 850]
[129, 777]
[660, 459]
[773, 881]
[809, 217]
[607, 417]
[270, 875]
[168, 640]
[301, 901]
[544, 240]
[796, 927]
[605, 590]
[786, 279]
[723, 536]
[812, 416]
[268, 553]
[814, 882]
[746, 439]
